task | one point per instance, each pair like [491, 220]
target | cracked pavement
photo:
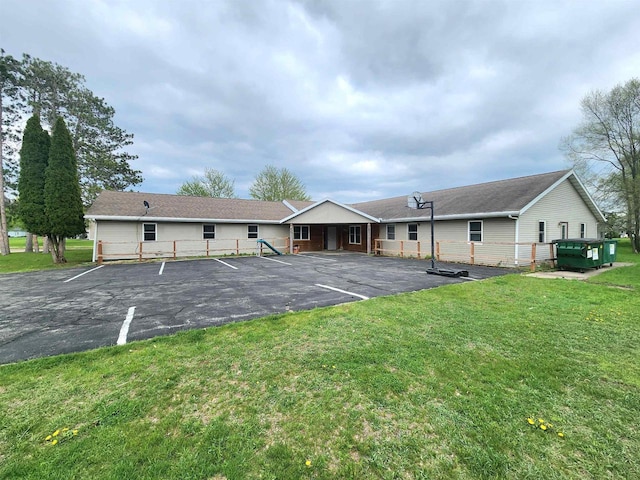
[50, 313]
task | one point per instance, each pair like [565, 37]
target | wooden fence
[185, 248]
[473, 253]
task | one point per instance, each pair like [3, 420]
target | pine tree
[62, 197]
[34, 157]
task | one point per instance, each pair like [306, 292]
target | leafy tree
[10, 103]
[62, 198]
[213, 184]
[34, 157]
[607, 144]
[273, 184]
[54, 91]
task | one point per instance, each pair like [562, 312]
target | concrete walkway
[575, 275]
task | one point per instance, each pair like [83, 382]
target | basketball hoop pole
[433, 247]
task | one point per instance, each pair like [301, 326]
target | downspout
[517, 250]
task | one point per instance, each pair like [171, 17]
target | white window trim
[302, 227]
[394, 231]
[214, 230]
[409, 232]
[475, 231]
[358, 235]
[155, 232]
[257, 231]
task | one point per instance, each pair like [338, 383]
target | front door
[332, 238]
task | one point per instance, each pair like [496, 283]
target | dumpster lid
[578, 240]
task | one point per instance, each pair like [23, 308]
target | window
[412, 231]
[208, 231]
[391, 232]
[301, 232]
[354, 235]
[583, 230]
[149, 232]
[252, 231]
[541, 232]
[475, 231]
[564, 229]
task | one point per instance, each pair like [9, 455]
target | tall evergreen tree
[10, 105]
[54, 91]
[34, 157]
[62, 197]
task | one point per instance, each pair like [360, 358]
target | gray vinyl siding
[496, 248]
[562, 204]
[453, 238]
[122, 240]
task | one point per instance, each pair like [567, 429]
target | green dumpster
[579, 253]
[610, 251]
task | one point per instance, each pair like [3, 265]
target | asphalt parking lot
[54, 312]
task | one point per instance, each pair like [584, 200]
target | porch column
[291, 238]
[368, 239]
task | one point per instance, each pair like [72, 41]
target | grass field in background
[78, 252]
[434, 384]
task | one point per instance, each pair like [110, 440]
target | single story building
[495, 223]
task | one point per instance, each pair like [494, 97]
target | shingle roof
[503, 196]
[499, 198]
[130, 204]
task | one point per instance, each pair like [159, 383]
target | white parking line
[83, 273]
[342, 291]
[274, 260]
[225, 263]
[124, 330]
[161, 269]
[313, 257]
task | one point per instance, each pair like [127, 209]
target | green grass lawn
[78, 252]
[433, 384]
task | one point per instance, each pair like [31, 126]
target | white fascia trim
[289, 206]
[462, 216]
[544, 193]
[582, 191]
[317, 204]
[120, 218]
[586, 192]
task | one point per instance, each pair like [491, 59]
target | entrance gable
[329, 212]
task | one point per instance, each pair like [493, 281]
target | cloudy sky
[361, 99]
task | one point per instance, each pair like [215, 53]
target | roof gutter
[463, 216]
[121, 218]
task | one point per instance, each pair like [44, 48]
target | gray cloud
[360, 99]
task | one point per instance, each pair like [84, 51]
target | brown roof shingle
[130, 204]
[493, 197]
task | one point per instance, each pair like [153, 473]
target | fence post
[207, 248]
[99, 252]
[140, 251]
[174, 249]
[438, 251]
[473, 254]
[551, 252]
[533, 257]
[418, 249]
[237, 246]
[402, 248]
